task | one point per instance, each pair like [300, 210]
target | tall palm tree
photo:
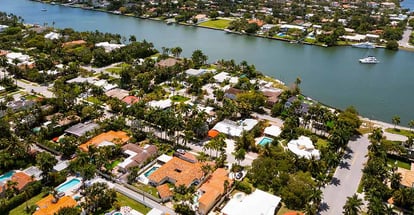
[353, 205]
[395, 179]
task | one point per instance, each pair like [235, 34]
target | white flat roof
[257, 203]
[163, 104]
[303, 147]
[273, 131]
[235, 128]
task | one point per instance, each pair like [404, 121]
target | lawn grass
[401, 164]
[178, 98]
[125, 201]
[219, 23]
[403, 132]
[19, 210]
[115, 70]
[112, 165]
[148, 189]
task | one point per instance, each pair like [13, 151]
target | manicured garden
[401, 164]
[403, 132]
[21, 209]
[178, 98]
[148, 189]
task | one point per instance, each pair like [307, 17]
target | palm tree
[396, 120]
[395, 179]
[411, 124]
[239, 155]
[353, 205]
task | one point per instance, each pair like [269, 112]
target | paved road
[346, 178]
[33, 87]
[406, 37]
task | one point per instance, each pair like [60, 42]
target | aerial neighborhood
[330, 23]
[95, 123]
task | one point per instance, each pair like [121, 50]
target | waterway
[330, 75]
[409, 4]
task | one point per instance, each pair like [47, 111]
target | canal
[330, 75]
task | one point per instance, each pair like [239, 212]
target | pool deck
[72, 191]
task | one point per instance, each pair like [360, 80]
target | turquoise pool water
[68, 185]
[265, 140]
[149, 172]
[117, 213]
[6, 176]
[281, 34]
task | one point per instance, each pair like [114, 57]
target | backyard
[403, 132]
[219, 23]
[31, 202]
[125, 201]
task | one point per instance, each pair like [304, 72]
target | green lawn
[178, 98]
[403, 132]
[19, 210]
[400, 164]
[125, 201]
[219, 23]
[112, 165]
[94, 100]
[148, 189]
[116, 70]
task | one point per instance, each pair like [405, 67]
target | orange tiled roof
[213, 133]
[213, 188]
[75, 42]
[257, 21]
[178, 171]
[117, 137]
[22, 179]
[130, 100]
[47, 207]
[3, 52]
[164, 191]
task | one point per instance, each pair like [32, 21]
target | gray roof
[81, 128]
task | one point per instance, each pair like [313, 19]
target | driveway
[34, 87]
[404, 42]
[346, 178]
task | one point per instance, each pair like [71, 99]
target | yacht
[364, 45]
[43, 9]
[369, 60]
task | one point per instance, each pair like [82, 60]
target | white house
[52, 36]
[257, 203]
[235, 129]
[303, 147]
[109, 46]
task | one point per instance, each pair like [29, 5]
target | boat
[364, 45]
[369, 60]
[169, 22]
[228, 30]
[43, 9]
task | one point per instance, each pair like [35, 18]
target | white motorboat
[364, 45]
[369, 60]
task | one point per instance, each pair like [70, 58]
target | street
[346, 178]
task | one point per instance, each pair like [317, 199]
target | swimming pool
[265, 140]
[281, 34]
[68, 185]
[149, 172]
[6, 176]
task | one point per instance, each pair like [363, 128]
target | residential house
[163, 104]
[178, 172]
[51, 205]
[136, 155]
[303, 148]
[256, 203]
[130, 100]
[232, 93]
[73, 43]
[407, 177]
[109, 46]
[212, 190]
[106, 139]
[22, 180]
[81, 129]
[272, 96]
[233, 128]
[165, 193]
[117, 93]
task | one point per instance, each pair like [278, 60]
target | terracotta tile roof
[177, 171]
[117, 93]
[75, 42]
[213, 189]
[47, 207]
[257, 21]
[164, 191]
[407, 177]
[142, 153]
[130, 100]
[213, 133]
[22, 179]
[117, 137]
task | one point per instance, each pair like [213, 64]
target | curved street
[346, 178]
